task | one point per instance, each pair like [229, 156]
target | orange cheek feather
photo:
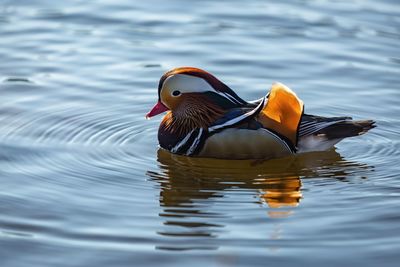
[170, 101]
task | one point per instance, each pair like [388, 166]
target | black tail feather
[347, 128]
[333, 127]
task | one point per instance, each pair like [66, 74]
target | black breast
[188, 144]
[166, 139]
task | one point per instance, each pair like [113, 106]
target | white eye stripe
[186, 84]
[192, 84]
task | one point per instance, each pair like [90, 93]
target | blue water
[84, 183]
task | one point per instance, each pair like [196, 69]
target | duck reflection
[193, 189]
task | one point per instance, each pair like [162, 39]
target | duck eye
[176, 93]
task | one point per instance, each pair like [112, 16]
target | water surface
[84, 183]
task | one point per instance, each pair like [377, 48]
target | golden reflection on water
[191, 187]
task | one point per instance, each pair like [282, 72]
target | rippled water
[84, 183]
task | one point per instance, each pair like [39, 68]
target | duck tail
[320, 133]
[347, 128]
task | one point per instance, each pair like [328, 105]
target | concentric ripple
[70, 126]
[380, 147]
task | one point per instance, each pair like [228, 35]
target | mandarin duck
[206, 118]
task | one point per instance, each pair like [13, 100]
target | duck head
[193, 97]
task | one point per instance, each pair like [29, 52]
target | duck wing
[278, 114]
[236, 117]
[240, 135]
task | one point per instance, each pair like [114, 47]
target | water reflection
[193, 189]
